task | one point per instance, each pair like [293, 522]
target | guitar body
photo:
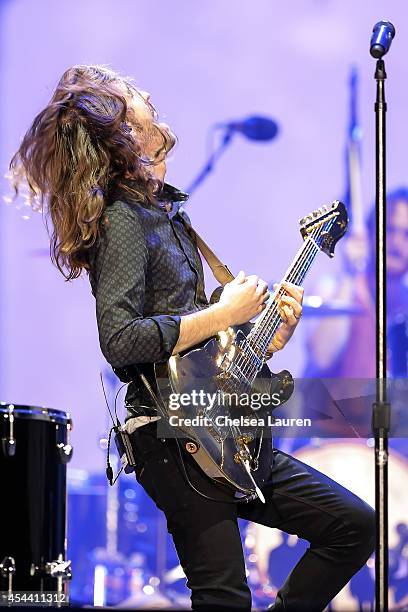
[218, 444]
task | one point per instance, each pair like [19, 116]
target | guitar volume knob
[191, 447]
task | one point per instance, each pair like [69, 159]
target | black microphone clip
[381, 39]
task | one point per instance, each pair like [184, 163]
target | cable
[116, 399]
[106, 399]
[116, 428]
[109, 470]
[117, 475]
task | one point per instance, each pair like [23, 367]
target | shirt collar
[171, 195]
[168, 194]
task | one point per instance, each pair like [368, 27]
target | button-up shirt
[145, 272]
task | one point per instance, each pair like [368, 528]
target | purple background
[202, 62]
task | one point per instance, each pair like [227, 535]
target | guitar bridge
[241, 456]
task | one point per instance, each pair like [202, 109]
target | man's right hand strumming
[241, 300]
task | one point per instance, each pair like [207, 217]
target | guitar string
[265, 332]
[292, 274]
[245, 365]
[301, 266]
[298, 272]
[295, 274]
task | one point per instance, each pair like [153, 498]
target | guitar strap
[220, 270]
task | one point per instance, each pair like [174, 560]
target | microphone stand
[381, 407]
[210, 164]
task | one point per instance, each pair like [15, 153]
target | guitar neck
[268, 322]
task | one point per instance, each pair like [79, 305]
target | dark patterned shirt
[145, 271]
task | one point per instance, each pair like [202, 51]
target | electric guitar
[201, 390]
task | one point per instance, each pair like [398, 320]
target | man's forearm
[199, 326]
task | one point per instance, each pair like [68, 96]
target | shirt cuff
[169, 330]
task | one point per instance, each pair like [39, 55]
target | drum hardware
[61, 570]
[7, 570]
[65, 452]
[9, 443]
[64, 447]
[56, 569]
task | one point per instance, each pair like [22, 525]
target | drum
[34, 452]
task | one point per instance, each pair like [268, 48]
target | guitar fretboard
[267, 324]
[321, 231]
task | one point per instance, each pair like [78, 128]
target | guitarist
[96, 158]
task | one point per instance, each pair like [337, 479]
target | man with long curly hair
[95, 160]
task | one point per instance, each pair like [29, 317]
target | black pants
[299, 500]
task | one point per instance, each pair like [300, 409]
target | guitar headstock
[325, 226]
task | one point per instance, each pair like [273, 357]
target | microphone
[381, 39]
[253, 128]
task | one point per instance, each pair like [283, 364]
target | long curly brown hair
[86, 142]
